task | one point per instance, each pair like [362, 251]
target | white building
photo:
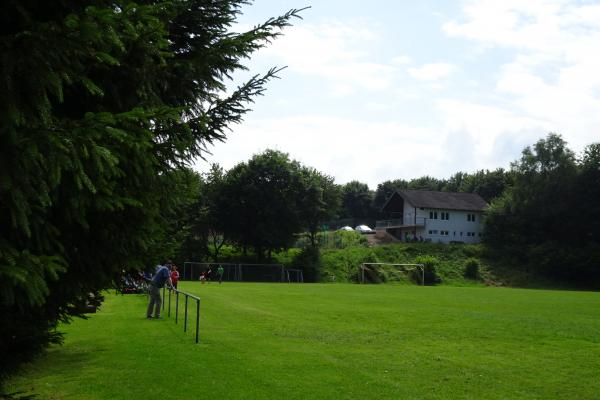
[439, 217]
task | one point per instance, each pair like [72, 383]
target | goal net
[242, 272]
[390, 272]
[261, 273]
[193, 270]
[294, 275]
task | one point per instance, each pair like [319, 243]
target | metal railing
[389, 223]
[185, 318]
[400, 222]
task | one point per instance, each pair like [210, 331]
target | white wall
[458, 226]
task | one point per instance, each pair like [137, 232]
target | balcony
[399, 223]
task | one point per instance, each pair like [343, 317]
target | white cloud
[402, 60]
[484, 126]
[543, 79]
[432, 71]
[339, 52]
[552, 76]
[370, 151]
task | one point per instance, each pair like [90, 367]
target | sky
[381, 90]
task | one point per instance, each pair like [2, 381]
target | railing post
[176, 305]
[163, 298]
[185, 318]
[197, 318]
[169, 311]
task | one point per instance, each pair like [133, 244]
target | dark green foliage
[472, 267]
[262, 202]
[548, 220]
[426, 183]
[309, 261]
[100, 104]
[320, 200]
[265, 203]
[430, 275]
[344, 264]
[488, 184]
[357, 201]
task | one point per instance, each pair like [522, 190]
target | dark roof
[443, 200]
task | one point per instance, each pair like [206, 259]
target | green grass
[279, 341]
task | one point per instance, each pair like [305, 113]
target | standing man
[220, 273]
[162, 276]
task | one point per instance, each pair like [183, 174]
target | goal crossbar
[240, 272]
[414, 267]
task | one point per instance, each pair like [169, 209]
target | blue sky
[384, 90]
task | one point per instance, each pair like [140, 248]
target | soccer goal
[261, 273]
[193, 270]
[294, 275]
[242, 272]
[390, 272]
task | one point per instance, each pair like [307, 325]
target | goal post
[294, 275]
[192, 270]
[243, 272]
[261, 273]
[365, 267]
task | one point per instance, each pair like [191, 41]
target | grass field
[279, 341]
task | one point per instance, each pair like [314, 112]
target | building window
[444, 215]
[461, 234]
[471, 217]
[444, 233]
[433, 232]
[433, 215]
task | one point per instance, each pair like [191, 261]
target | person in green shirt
[220, 271]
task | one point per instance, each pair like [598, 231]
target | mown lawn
[319, 341]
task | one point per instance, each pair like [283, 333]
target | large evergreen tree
[99, 102]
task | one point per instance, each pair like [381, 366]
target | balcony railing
[389, 223]
[399, 222]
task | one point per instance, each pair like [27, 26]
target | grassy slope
[343, 263]
[334, 342]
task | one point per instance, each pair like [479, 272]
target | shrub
[309, 261]
[344, 264]
[471, 270]
[430, 274]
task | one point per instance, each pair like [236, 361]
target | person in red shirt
[174, 275]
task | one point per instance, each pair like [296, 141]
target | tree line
[266, 203]
[543, 213]
[548, 220]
